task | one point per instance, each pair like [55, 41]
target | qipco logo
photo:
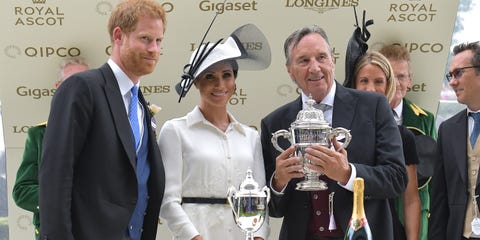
[45, 52]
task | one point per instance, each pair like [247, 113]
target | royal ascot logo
[227, 6]
[412, 11]
[239, 97]
[321, 6]
[39, 14]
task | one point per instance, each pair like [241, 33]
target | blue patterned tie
[476, 127]
[133, 116]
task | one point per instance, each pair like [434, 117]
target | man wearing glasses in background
[456, 187]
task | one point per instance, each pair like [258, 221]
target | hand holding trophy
[310, 128]
[249, 204]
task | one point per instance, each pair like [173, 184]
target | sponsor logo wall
[38, 34]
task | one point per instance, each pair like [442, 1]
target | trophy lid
[249, 187]
[310, 116]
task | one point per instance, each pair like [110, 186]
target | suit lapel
[117, 108]
[459, 150]
[344, 108]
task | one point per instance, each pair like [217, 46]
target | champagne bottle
[358, 228]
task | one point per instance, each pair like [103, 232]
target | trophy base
[312, 186]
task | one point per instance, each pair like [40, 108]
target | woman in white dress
[208, 150]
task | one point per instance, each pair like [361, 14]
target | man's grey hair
[294, 38]
[68, 61]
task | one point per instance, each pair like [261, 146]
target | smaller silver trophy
[249, 204]
[310, 128]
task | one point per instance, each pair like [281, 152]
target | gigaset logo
[35, 93]
[321, 6]
[225, 6]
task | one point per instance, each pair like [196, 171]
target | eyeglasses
[458, 72]
[403, 77]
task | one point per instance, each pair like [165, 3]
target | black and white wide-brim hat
[247, 46]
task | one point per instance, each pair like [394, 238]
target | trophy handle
[341, 131]
[267, 192]
[280, 133]
[230, 198]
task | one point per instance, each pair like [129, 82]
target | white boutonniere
[153, 109]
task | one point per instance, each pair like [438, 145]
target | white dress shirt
[202, 161]
[125, 84]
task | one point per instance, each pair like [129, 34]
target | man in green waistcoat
[413, 117]
[25, 190]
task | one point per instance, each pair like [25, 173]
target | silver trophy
[310, 128]
[249, 205]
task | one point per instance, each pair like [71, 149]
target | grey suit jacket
[375, 150]
[450, 182]
[88, 186]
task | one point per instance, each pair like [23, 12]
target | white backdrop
[37, 34]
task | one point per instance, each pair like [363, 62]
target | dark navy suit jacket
[375, 150]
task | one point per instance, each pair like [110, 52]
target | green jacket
[415, 116]
[423, 120]
[25, 190]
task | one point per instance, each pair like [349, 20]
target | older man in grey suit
[101, 175]
[375, 152]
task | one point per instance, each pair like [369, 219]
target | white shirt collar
[124, 82]
[196, 117]
[399, 109]
[328, 100]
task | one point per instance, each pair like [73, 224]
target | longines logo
[21, 130]
[320, 6]
[227, 6]
[251, 46]
[412, 12]
[38, 15]
[149, 90]
[13, 51]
